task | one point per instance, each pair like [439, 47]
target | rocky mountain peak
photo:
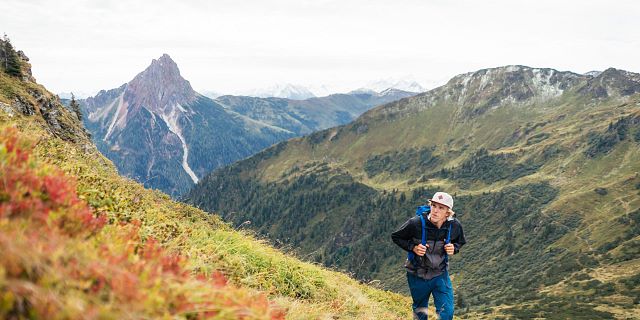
[612, 82]
[511, 84]
[159, 85]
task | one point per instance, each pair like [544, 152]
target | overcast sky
[232, 46]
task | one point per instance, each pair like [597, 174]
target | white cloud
[230, 46]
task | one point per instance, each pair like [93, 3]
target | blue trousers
[442, 291]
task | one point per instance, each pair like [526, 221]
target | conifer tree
[11, 61]
[75, 106]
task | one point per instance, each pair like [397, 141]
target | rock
[7, 109]
[23, 107]
[26, 67]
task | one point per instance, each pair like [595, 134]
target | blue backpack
[420, 211]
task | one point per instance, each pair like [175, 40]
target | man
[427, 265]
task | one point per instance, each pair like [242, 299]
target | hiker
[430, 238]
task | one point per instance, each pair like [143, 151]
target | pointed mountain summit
[159, 89]
[159, 131]
[612, 82]
[160, 85]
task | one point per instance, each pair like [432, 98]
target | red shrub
[28, 192]
[47, 258]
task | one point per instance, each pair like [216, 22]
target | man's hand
[449, 248]
[420, 250]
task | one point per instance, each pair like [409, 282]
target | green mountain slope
[58, 261]
[543, 164]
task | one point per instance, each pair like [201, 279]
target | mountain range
[404, 84]
[159, 131]
[543, 166]
[313, 114]
[300, 92]
[288, 91]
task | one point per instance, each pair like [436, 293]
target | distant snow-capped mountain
[593, 73]
[389, 93]
[288, 91]
[323, 90]
[211, 94]
[401, 84]
[76, 94]
[303, 92]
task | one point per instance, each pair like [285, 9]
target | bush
[490, 168]
[399, 162]
[601, 191]
[603, 142]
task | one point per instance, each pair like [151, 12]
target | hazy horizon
[230, 47]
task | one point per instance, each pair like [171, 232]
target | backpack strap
[447, 241]
[420, 211]
[424, 231]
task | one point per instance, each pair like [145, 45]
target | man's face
[438, 212]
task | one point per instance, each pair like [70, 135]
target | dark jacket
[433, 263]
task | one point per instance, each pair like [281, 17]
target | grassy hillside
[543, 164]
[80, 241]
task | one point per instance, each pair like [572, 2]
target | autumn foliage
[60, 260]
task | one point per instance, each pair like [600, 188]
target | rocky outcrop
[37, 102]
[612, 82]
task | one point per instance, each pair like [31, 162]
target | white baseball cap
[443, 198]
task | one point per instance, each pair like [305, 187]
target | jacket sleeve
[459, 239]
[403, 237]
